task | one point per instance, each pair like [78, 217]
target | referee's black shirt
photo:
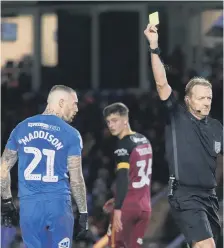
[198, 142]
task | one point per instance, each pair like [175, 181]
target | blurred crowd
[19, 102]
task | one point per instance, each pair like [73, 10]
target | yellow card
[154, 18]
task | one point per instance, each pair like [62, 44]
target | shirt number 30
[143, 174]
[38, 155]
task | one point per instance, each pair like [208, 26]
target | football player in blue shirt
[48, 149]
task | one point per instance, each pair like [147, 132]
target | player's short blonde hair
[62, 88]
[196, 81]
[56, 89]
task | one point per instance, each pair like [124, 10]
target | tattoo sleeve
[8, 160]
[77, 182]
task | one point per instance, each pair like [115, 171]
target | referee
[193, 143]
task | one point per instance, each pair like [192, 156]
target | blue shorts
[46, 221]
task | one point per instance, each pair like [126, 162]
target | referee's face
[116, 123]
[200, 100]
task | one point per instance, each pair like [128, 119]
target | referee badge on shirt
[217, 147]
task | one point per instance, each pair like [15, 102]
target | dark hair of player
[116, 108]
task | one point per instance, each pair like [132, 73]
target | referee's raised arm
[163, 88]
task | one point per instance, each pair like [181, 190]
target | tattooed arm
[77, 182]
[8, 160]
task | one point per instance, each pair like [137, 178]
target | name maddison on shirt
[42, 135]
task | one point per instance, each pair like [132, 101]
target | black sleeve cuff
[171, 102]
[121, 187]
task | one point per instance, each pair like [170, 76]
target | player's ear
[61, 103]
[126, 121]
[186, 99]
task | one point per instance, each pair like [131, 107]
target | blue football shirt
[43, 143]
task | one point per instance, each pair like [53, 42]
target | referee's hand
[152, 35]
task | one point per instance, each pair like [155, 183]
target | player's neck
[51, 111]
[126, 131]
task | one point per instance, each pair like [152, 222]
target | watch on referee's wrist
[155, 51]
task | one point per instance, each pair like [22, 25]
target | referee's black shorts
[196, 213]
